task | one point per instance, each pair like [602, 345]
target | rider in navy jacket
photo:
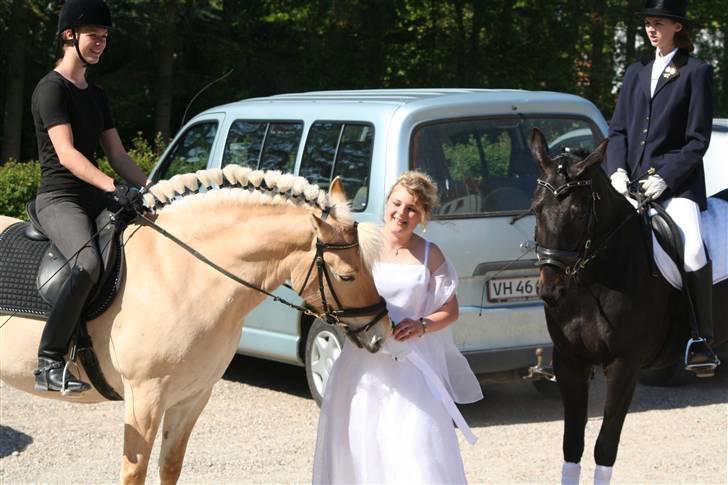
[658, 135]
[669, 131]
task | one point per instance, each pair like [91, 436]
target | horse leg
[572, 376]
[178, 423]
[143, 413]
[621, 377]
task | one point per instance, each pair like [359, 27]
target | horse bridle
[571, 262]
[330, 315]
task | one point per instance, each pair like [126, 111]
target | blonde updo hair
[422, 188]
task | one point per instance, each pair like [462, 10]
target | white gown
[385, 416]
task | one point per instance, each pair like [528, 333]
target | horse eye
[346, 277]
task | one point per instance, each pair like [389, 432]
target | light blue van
[473, 142]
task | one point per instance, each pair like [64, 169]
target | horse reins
[330, 315]
[571, 262]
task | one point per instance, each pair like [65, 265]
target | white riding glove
[653, 186]
[619, 181]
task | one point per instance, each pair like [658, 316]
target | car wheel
[323, 346]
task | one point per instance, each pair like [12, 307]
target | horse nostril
[552, 294]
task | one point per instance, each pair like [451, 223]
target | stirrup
[703, 369]
[65, 391]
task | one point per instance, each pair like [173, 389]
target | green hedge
[18, 184]
[19, 181]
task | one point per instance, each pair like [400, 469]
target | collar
[664, 60]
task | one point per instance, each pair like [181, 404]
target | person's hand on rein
[127, 203]
[406, 329]
[620, 181]
[128, 198]
[653, 186]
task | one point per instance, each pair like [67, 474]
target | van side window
[340, 149]
[484, 166]
[191, 152]
[265, 145]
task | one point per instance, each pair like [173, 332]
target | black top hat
[77, 13]
[670, 9]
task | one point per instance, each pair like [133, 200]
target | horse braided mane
[243, 185]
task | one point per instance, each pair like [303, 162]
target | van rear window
[340, 149]
[484, 166]
[264, 145]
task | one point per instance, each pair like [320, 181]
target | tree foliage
[161, 53]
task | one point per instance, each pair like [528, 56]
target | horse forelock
[370, 243]
[242, 185]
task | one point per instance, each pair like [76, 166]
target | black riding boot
[699, 357]
[49, 376]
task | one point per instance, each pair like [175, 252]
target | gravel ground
[260, 427]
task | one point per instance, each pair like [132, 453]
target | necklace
[396, 249]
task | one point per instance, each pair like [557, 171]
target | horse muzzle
[552, 285]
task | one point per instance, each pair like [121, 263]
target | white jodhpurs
[686, 215]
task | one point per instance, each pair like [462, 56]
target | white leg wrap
[570, 473]
[602, 475]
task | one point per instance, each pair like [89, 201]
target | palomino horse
[603, 306]
[176, 322]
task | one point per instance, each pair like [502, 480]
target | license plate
[513, 289]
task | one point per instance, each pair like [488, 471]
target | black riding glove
[129, 199]
[127, 203]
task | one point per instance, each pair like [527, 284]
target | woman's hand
[406, 329]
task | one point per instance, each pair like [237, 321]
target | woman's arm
[62, 139]
[678, 167]
[120, 159]
[437, 320]
[618, 142]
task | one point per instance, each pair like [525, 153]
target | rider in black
[72, 117]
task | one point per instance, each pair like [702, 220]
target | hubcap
[324, 352]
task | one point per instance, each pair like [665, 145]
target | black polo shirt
[56, 101]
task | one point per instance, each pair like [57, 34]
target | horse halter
[333, 316]
[570, 262]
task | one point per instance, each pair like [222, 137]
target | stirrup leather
[704, 369]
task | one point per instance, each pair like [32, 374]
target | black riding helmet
[79, 13]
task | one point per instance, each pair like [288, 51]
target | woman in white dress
[388, 417]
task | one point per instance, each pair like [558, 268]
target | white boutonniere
[670, 71]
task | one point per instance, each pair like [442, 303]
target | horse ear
[324, 231]
[593, 158]
[337, 194]
[539, 150]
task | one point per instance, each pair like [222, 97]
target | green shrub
[19, 181]
[18, 184]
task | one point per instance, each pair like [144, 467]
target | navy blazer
[668, 132]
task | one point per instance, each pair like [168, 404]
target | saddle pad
[19, 261]
[714, 224]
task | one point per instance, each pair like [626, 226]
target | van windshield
[484, 166]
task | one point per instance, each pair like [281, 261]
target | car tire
[323, 346]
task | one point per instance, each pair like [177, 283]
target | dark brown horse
[603, 304]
